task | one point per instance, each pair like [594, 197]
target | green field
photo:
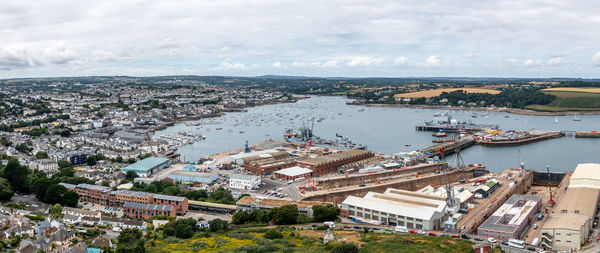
[570, 101]
[309, 241]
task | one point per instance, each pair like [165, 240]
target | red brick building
[180, 204]
[329, 163]
[147, 211]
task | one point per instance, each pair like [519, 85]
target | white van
[330, 224]
[116, 229]
[401, 229]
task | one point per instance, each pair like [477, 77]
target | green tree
[325, 213]
[17, 175]
[130, 241]
[345, 248]
[259, 216]
[70, 198]
[54, 194]
[284, 215]
[6, 191]
[218, 225]
[56, 211]
[41, 155]
[39, 187]
[131, 175]
[303, 219]
[273, 234]
[221, 195]
[171, 190]
[131, 160]
[64, 164]
[91, 160]
[240, 217]
[182, 228]
[105, 183]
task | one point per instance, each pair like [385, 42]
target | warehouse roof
[512, 213]
[334, 157]
[146, 164]
[168, 197]
[243, 177]
[581, 201]
[586, 175]
[293, 171]
[565, 221]
[148, 206]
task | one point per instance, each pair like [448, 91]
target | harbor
[387, 130]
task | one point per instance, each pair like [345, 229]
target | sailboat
[576, 117]
[556, 120]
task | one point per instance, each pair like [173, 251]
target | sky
[395, 38]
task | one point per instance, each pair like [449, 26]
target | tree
[303, 219]
[240, 217]
[39, 187]
[221, 195]
[54, 194]
[91, 160]
[131, 175]
[259, 216]
[131, 160]
[65, 172]
[105, 183]
[284, 215]
[119, 159]
[6, 191]
[182, 228]
[23, 148]
[41, 155]
[64, 164]
[273, 234]
[218, 225]
[56, 211]
[70, 198]
[65, 133]
[130, 241]
[171, 190]
[17, 175]
[345, 248]
[196, 194]
[325, 213]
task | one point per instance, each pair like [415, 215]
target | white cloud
[433, 61]
[596, 59]
[555, 61]
[470, 55]
[330, 64]
[225, 49]
[364, 61]
[231, 66]
[532, 63]
[401, 60]
[279, 65]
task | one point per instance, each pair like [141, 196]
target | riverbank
[487, 109]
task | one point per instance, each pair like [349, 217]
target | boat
[407, 145]
[576, 117]
[361, 110]
[439, 134]
[429, 122]
[556, 120]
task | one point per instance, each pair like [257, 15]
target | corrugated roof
[146, 164]
[243, 177]
[586, 175]
[293, 171]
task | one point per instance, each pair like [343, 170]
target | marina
[389, 130]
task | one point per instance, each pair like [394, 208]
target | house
[61, 236]
[78, 248]
[202, 224]
[101, 242]
[241, 181]
[90, 220]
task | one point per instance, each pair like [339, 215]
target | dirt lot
[351, 236]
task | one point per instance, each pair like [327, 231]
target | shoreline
[488, 109]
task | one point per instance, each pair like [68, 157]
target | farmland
[437, 92]
[571, 99]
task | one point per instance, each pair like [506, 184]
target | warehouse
[328, 163]
[246, 182]
[512, 219]
[414, 210]
[242, 158]
[148, 166]
[193, 177]
[568, 226]
[293, 173]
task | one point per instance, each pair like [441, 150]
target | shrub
[273, 234]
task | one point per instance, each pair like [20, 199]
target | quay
[591, 134]
[516, 142]
[447, 129]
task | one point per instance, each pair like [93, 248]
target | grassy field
[306, 241]
[437, 92]
[567, 100]
[573, 89]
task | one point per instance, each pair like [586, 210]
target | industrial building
[246, 182]
[568, 226]
[193, 177]
[248, 204]
[267, 166]
[512, 219]
[329, 163]
[415, 210]
[461, 195]
[148, 166]
[242, 158]
[293, 173]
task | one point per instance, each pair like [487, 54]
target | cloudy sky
[396, 38]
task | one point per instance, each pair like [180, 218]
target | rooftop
[148, 206]
[243, 177]
[334, 157]
[168, 197]
[192, 173]
[128, 192]
[586, 175]
[293, 171]
[146, 164]
[512, 213]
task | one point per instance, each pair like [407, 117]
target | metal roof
[146, 164]
[293, 171]
[243, 177]
[168, 197]
[512, 213]
[586, 175]
[148, 206]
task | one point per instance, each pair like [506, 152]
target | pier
[516, 142]
[447, 129]
[591, 134]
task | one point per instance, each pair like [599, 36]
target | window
[409, 218]
[418, 220]
[567, 241]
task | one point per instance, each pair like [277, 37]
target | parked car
[531, 248]
[455, 236]
[492, 240]
[432, 234]
[314, 225]
[443, 234]
[465, 236]
[375, 228]
[477, 238]
[347, 226]
[505, 243]
[412, 231]
[356, 227]
[421, 232]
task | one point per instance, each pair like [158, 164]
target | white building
[414, 210]
[48, 166]
[241, 181]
